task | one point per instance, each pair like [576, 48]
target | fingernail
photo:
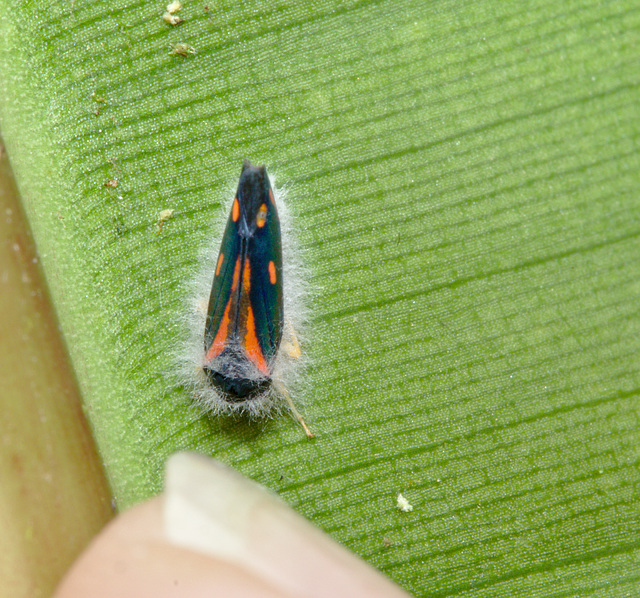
[212, 509]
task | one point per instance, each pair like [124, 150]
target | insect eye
[261, 218]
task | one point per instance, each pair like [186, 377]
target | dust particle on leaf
[163, 217]
[174, 7]
[403, 504]
[170, 19]
[181, 49]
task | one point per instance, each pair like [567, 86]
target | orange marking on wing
[236, 275]
[272, 272]
[219, 341]
[220, 260]
[235, 212]
[246, 277]
[273, 201]
[252, 346]
[261, 218]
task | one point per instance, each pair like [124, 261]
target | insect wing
[220, 325]
[245, 314]
[264, 255]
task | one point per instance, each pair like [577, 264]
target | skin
[132, 558]
[261, 547]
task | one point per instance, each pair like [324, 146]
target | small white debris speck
[171, 19]
[403, 504]
[182, 49]
[164, 216]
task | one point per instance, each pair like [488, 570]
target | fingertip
[133, 558]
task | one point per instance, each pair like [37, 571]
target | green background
[465, 180]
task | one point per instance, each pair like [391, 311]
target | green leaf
[465, 180]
